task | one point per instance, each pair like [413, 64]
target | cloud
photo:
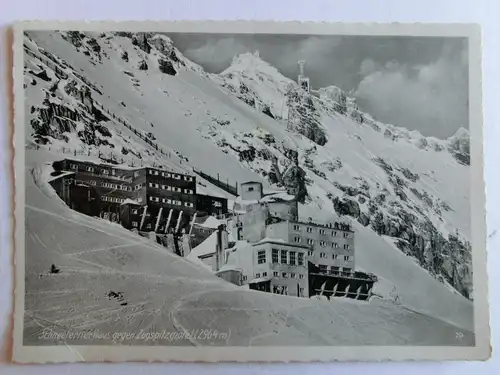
[431, 98]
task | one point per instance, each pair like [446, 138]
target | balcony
[356, 275]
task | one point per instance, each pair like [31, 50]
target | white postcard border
[53, 354]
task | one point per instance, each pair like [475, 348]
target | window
[296, 227]
[293, 258]
[310, 253]
[334, 269]
[163, 187]
[309, 230]
[150, 184]
[346, 258]
[322, 255]
[264, 274]
[134, 224]
[150, 171]
[178, 189]
[136, 174]
[261, 256]
[169, 201]
[334, 233]
[257, 275]
[296, 239]
[113, 172]
[284, 275]
[90, 169]
[346, 235]
[292, 275]
[346, 247]
[157, 186]
[301, 276]
[244, 278]
[250, 189]
[105, 171]
[310, 241]
[283, 257]
[335, 245]
[345, 269]
[188, 204]
[73, 166]
[188, 191]
[169, 188]
[322, 268]
[335, 256]
[322, 243]
[135, 211]
[148, 226]
[301, 259]
[275, 255]
[321, 231]
[275, 274]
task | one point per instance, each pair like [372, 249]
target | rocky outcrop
[294, 181]
[303, 117]
[141, 40]
[143, 65]
[166, 67]
[125, 56]
[346, 207]
[459, 146]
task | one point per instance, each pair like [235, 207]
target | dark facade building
[147, 199]
[211, 205]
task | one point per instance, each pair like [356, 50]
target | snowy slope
[395, 183]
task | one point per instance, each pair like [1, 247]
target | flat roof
[282, 243]
[126, 167]
[251, 182]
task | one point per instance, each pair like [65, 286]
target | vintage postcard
[248, 191]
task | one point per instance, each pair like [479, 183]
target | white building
[272, 266]
[331, 247]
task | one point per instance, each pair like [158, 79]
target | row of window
[106, 198]
[292, 258]
[105, 172]
[334, 269]
[116, 186]
[310, 241]
[322, 231]
[136, 174]
[154, 172]
[347, 258]
[284, 275]
[170, 201]
[169, 188]
[90, 182]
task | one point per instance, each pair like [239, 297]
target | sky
[420, 83]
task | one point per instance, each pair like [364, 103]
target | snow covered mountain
[407, 195]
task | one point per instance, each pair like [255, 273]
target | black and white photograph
[245, 193]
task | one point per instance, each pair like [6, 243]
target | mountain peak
[250, 62]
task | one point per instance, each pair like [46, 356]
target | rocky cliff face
[459, 146]
[303, 117]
